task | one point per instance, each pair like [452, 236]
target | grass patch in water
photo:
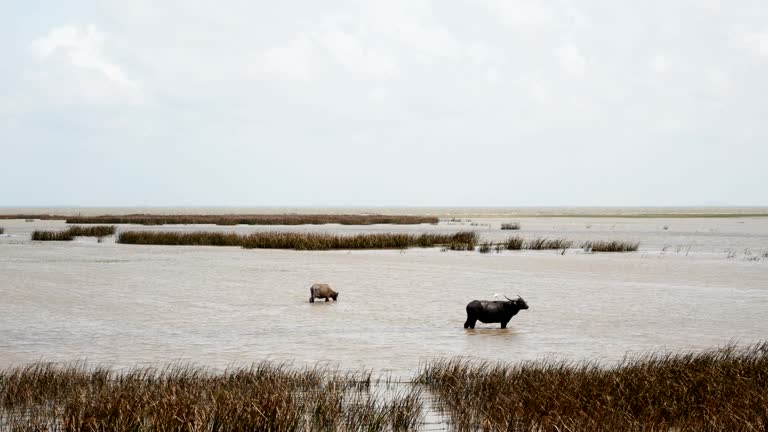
[74, 231]
[40, 235]
[297, 241]
[92, 231]
[610, 246]
[543, 243]
[511, 226]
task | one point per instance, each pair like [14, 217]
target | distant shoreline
[63, 213]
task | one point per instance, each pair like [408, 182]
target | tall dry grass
[266, 396]
[74, 231]
[297, 241]
[514, 243]
[92, 231]
[40, 235]
[719, 390]
[544, 243]
[610, 246]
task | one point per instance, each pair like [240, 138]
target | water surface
[696, 284]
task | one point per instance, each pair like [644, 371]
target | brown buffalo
[322, 291]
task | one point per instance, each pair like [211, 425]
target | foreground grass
[254, 219]
[266, 396]
[74, 231]
[298, 241]
[720, 390]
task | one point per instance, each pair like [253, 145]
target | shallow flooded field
[694, 284]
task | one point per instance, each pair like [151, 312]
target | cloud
[350, 52]
[82, 49]
[571, 59]
[517, 13]
[658, 64]
[291, 60]
[758, 42]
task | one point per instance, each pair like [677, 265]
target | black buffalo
[493, 311]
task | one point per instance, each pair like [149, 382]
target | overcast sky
[349, 103]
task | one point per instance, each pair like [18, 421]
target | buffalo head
[518, 303]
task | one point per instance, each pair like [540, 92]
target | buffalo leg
[311, 299]
[504, 324]
[327, 299]
[470, 323]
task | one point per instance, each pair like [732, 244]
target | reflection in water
[490, 332]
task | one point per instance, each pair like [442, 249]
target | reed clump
[514, 243]
[511, 226]
[92, 231]
[718, 390]
[172, 238]
[265, 396]
[298, 241]
[41, 235]
[2, 230]
[74, 231]
[610, 246]
[253, 219]
[544, 243]
[485, 247]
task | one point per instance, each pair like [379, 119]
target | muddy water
[698, 283]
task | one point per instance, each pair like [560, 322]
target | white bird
[495, 295]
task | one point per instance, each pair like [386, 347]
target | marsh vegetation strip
[518, 243]
[725, 389]
[237, 219]
[74, 231]
[266, 396]
[297, 240]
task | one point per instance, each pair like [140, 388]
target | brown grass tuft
[74, 231]
[718, 390]
[52, 235]
[610, 246]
